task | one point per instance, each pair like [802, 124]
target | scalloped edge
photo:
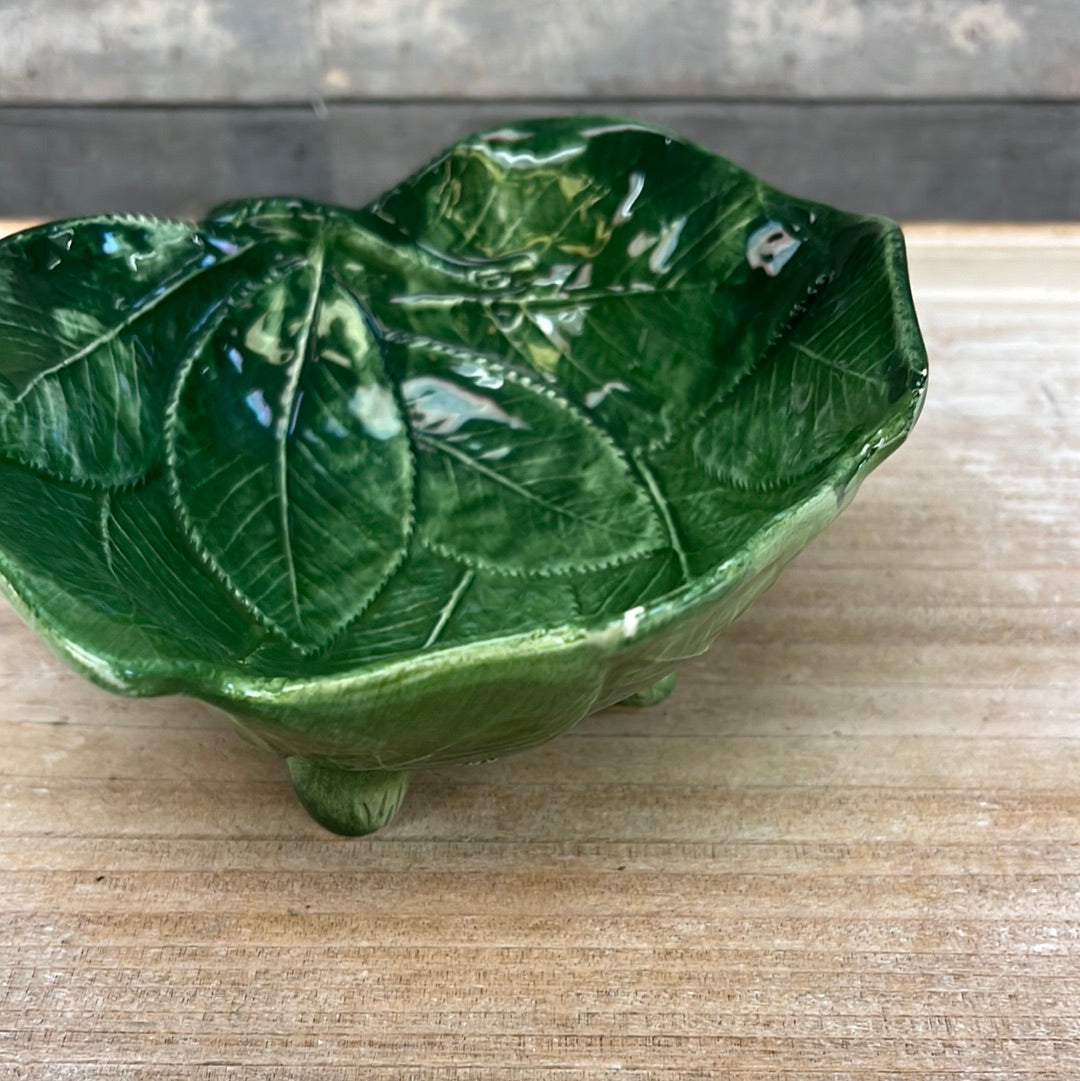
[280, 697]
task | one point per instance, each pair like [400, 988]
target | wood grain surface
[967, 161]
[274, 51]
[847, 847]
[918, 109]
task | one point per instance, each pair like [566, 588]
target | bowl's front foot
[350, 802]
[656, 693]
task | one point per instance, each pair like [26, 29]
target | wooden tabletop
[848, 846]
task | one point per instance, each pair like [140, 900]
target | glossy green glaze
[430, 481]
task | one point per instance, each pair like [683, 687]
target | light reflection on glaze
[770, 247]
[550, 329]
[439, 407]
[262, 412]
[640, 244]
[294, 416]
[487, 278]
[267, 335]
[475, 373]
[505, 135]
[375, 408]
[612, 129]
[524, 158]
[666, 243]
[626, 208]
[556, 275]
[428, 301]
[135, 257]
[572, 320]
[582, 279]
[632, 619]
[226, 247]
[334, 357]
[597, 397]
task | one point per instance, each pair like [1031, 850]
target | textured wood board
[74, 51]
[846, 848]
[962, 160]
[700, 48]
[158, 50]
[66, 162]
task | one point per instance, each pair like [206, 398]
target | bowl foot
[656, 693]
[350, 802]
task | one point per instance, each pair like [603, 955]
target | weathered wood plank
[843, 850]
[231, 50]
[65, 162]
[964, 161]
[700, 48]
[158, 50]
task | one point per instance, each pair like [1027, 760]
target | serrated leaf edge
[7, 409]
[191, 535]
[537, 386]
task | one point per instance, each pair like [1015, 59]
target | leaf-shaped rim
[83, 456]
[776, 541]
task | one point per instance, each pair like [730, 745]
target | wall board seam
[317, 102]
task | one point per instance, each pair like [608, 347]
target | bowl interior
[599, 362]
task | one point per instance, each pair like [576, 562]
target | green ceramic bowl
[430, 481]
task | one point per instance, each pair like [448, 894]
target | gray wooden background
[962, 109]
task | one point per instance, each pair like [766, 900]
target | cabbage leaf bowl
[430, 481]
